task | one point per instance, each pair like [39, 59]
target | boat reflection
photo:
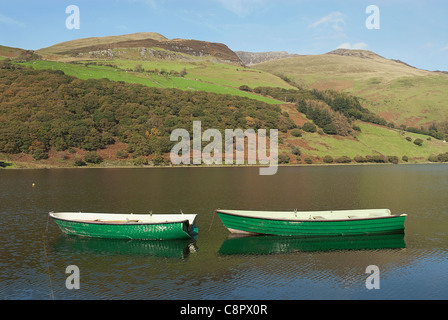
[264, 245]
[164, 249]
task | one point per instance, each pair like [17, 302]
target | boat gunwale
[124, 223]
[309, 220]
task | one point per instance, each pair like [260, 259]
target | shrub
[309, 127]
[296, 132]
[409, 139]
[343, 159]
[433, 158]
[308, 161]
[418, 142]
[158, 160]
[121, 154]
[360, 159]
[245, 88]
[93, 157]
[330, 129]
[393, 159]
[295, 151]
[376, 159]
[138, 68]
[328, 159]
[40, 154]
[443, 157]
[405, 158]
[79, 162]
[283, 159]
[140, 161]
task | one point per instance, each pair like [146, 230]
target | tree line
[42, 110]
[330, 110]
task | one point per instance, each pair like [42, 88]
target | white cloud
[334, 20]
[445, 48]
[428, 45]
[10, 21]
[242, 7]
[151, 3]
[356, 46]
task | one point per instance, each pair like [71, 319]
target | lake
[35, 254]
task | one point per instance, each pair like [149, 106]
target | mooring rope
[44, 242]
[210, 228]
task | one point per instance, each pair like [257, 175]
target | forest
[42, 110]
[330, 110]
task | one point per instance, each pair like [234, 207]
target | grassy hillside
[397, 92]
[44, 112]
[87, 42]
[51, 119]
[202, 77]
[9, 52]
[372, 140]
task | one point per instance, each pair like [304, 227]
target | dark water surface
[34, 254]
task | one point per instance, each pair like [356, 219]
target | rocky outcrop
[190, 47]
[365, 54]
[251, 58]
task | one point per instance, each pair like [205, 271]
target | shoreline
[27, 166]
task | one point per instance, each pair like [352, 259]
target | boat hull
[129, 231]
[257, 225]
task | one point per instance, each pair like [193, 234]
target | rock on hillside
[251, 58]
[355, 53]
[91, 46]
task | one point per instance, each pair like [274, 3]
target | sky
[415, 32]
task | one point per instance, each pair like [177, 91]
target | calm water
[34, 254]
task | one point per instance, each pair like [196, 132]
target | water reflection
[94, 246]
[278, 245]
[249, 268]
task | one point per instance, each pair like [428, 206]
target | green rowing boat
[312, 223]
[127, 226]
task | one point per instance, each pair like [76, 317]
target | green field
[372, 140]
[198, 80]
[393, 90]
[219, 78]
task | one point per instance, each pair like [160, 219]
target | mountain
[251, 58]
[87, 42]
[394, 90]
[353, 88]
[9, 52]
[144, 46]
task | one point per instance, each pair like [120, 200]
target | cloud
[356, 46]
[10, 21]
[445, 48]
[428, 45]
[334, 20]
[151, 3]
[242, 7]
